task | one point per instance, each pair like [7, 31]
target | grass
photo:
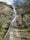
[26, 29]
[1, 38]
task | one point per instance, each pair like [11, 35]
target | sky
[13, 2]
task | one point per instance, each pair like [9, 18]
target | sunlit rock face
[5, 13]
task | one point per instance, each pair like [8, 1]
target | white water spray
[13, 22]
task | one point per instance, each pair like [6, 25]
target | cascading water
[13, 23]
[15, 16]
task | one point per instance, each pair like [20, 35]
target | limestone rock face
[5, 14]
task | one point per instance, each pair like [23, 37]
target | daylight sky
[13, 2]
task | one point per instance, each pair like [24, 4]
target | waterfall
[13, 22]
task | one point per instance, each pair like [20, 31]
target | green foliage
[25, 6]
[26, 29]
[0, 26]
